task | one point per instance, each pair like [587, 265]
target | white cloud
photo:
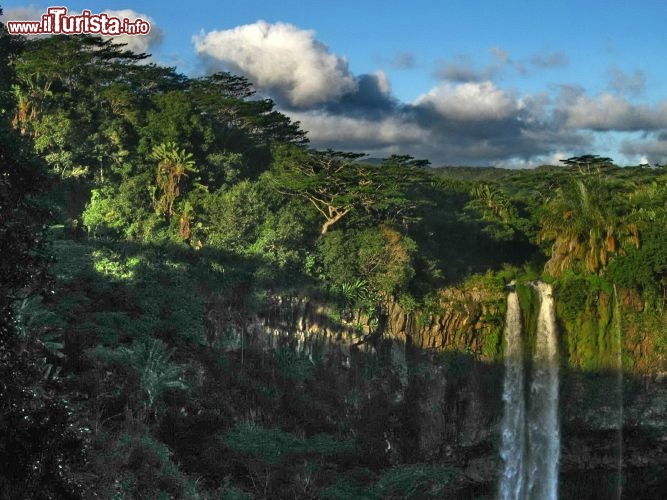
[470, 101]
[281, 58]
[383, 83]
[610, 112]
[650, 151]
[454, 123]
[325, 128]
[21, 14]
[138, 43]
[534, 161]
[465, 120]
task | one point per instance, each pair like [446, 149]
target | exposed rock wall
[465, 321]
[441, 394]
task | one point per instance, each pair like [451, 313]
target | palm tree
[584, 230]
[26, 110]
[158, 374]
[492, 201]
[173, 165]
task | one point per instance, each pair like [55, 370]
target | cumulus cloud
[382, 82]
[608, 112]
[280, 58]
[371, 99]
[502, 131]
[21, 14]
[465, 119]
[651, 151]
[138, 43]
[327, 130]
[469, 101]
[472, 122]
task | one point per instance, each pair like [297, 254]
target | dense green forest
[148, 218]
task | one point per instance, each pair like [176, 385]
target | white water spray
[543, 429]
[513, 425]
[530, 446]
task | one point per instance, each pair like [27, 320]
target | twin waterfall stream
[530, 446]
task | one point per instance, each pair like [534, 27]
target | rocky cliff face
[440, 387]
[469, 322]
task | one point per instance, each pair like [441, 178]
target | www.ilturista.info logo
[56, 22]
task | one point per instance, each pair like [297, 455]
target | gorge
[196, 304]
[511, 446]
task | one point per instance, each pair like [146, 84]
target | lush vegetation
[147, 217]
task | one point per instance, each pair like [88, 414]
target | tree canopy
[337, 183]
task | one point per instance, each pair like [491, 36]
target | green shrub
[414, 481]
[152, 363]
[346, 489]
[274, 446]
[294, 365]
[143, 468]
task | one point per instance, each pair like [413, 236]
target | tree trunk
[331, 221]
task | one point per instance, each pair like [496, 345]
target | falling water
[530, 446]
[513, 425]
[543, 431]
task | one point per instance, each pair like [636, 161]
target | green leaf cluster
[274, 446]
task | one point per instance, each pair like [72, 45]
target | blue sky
[513, 83]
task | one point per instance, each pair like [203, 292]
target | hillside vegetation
[147, 216]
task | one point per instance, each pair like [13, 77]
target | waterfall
[530, 446]
[513, 424]
[543, 429]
